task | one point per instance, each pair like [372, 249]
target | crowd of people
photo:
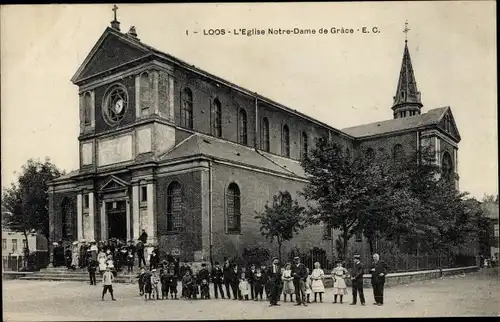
[158, 279]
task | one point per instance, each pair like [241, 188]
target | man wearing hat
[226, 269]
[299, 273]
[83, 254]
[217, 279]
[274, 280]
[357, 281]
[55, 254]
[378, 271]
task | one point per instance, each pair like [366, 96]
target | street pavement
[476, 294]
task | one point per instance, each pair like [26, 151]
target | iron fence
[16, 263]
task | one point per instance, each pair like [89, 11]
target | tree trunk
[26, 251]
[279, 250]
[344, 251]
[370, 243]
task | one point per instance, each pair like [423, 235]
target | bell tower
[407, 101]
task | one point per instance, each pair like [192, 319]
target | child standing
[148, 288]
[339, 274]
[187, 283]
[308, 286]
[107, 282]
[172, 281]
[317, 285]
[164, 278]
[130, 261]
[259, 283]
[244, 287]
[155, 284]
[288, 287]
[140, 280]
[194, 287]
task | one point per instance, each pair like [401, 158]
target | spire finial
[406, 30]
[115, 9]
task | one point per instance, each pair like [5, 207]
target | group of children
[252, 284]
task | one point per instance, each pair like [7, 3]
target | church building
[192, 158]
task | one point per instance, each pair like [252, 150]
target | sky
[341, 79]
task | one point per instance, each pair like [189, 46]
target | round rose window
[116, 104]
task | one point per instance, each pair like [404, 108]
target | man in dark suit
[357, 281]
[379, 271]
[299, 273]
[217, 279]
[226, 269]
[235, 281]
[250, 276]
[274, 280]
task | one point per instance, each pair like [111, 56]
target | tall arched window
[447, 166]
[243, 127]
[303, 145]
[187, 108]
[87, 108]
[285, 142]
[68, 219]
[233, 215]
[370, 153]
[175, 207]
[145, 93]
[397, 153]
[216, 118]
[264, 135]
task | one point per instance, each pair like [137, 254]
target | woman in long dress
[287, 278]
[102, 258]
[339, 274]
[75, 255]
[317, 285]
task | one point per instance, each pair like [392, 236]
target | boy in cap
[140, 280]
[204, 278]
[107, 282]
[165, 283]
[217, 279]
[172, 281]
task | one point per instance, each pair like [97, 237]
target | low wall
[409, 277]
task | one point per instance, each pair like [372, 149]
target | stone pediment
[448, 125]
[114, 184]
[113, 49]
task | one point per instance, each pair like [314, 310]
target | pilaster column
[89, 235]
[79, 216]
[156, 101]
[171, 98]
[137, 96]
[135, 212]
[128, 218]
[151, 230]
[104, 226]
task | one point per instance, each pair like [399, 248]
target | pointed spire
[407, 100]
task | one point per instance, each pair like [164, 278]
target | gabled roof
[201, 145]
[143, 51]
[432, 117]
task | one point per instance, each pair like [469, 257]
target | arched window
[264, 135]
[217, 118]
[285, 142]
[370, 153]
[175, 207]
[233, 215]
[187, 108]
[145, 93]
[243, 127]
[303, 145]
[398, 153]
[447, 166]
[87, 108]
[68, 219]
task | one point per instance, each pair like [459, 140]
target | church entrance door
[117, 219]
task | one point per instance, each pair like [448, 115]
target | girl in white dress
[317, 285]
[339, 274]
[288, 287]
[101, 258]
[75, 255]
[244, 287]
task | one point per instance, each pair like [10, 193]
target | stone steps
[79, 274]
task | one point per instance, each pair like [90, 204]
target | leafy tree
[256, 255]
[282, 220]
[27, 203]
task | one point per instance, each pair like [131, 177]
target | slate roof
[201, 145]
[432, 117]
[68, 175]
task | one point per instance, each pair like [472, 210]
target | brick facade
[144, 173]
